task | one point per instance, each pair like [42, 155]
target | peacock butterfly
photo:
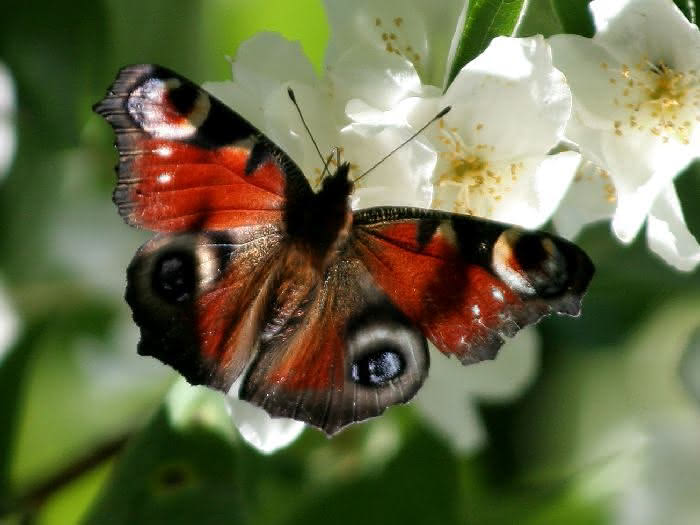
[324, 311]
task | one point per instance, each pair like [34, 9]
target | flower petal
[258, 429]
[590, 198]
[655, 29]
[512, 89]
[668, 235]
[421, 31]
[264, 65]
[641, 168]
[7, 128]
[448, 396]
[403, 179]
[380, 79]
[534, 197]
[587, 67]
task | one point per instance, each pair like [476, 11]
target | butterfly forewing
[188, 162]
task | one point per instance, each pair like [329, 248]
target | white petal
[285, 128]
[264, 65]
[7, 128]
[268, 59]
[590, 198]
[380, 79]
[404, 179]
[535, 196]
[655, 29]
[641, 168]
[512, 89]
[589, 69]
[422, 31]
[448, 396]
[668, 235]
[257, 428]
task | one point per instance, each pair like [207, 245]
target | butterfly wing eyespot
[173, 277]
[188, 162]
[197, 298]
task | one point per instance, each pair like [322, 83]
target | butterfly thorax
[320, 223]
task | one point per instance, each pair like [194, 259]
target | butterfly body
[324, 312]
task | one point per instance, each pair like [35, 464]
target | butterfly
[257, 283]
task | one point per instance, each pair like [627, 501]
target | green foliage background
[84, 431]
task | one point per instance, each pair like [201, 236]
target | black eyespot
[174, 277]
[530, 251]
[183, 97]
[377, 368]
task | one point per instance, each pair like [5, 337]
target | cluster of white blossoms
[636, 120]
[598, 131]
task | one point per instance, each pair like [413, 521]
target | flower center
[468, 182]
[659, 100]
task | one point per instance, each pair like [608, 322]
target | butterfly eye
[174, 278]
[377, 368]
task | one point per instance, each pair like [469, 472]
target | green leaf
[419, 485]
[574, 16]
[183, 468]
[485, 20]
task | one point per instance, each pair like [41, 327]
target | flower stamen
[659, 99]
[478, 183]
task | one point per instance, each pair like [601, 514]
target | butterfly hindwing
[198, 299]
[344, 354]
[468, 283]
[188, 162]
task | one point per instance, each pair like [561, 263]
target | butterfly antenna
[290, 92]
[326, 163]
[441, 114]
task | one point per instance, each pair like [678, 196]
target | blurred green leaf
[539, 18]
[574, 16]
[70, 503]
[485, 20]
[182, 468]
[419, 485]
[74, 392]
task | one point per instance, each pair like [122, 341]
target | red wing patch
[187, 162]
[443, 272]
[173, 186]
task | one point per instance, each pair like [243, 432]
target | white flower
[509, 109]
[450, 395]
[636, 87]
[7, 128]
